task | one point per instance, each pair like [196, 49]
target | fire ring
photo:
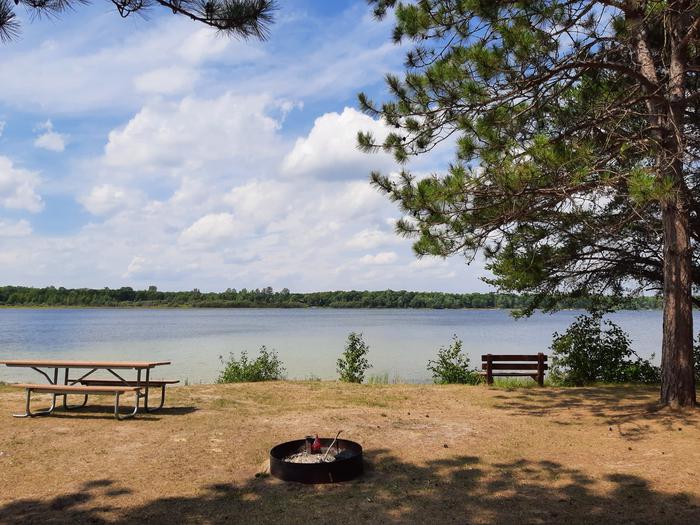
[346, 466]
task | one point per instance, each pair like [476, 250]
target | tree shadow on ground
[107, 412]
[460, 489]
[631, 405]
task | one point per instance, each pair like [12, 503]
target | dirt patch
[439, 454]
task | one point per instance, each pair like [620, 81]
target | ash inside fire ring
[314, 452]
[322, 457]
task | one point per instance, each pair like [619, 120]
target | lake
[307, 340]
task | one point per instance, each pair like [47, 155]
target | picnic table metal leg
[27, 410]
[145, 394]
[66, 381]
[130, 414]
[50, 381]
[162, 401]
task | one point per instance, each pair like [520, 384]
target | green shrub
[696, 359]
[452, 366]
[353, 363]
[593, 350]
[266, 367]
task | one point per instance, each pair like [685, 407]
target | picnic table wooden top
[51, 363]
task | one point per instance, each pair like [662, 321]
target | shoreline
[278, 307]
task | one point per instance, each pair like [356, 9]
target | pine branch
[241, 18]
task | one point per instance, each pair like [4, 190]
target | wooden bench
[515, 365]
[85, 390]
[157, 383]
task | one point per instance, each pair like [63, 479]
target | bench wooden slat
[509, 363]
[513, 374]
[75, 389]
[514, 366]
[114, 382]
[512, 357]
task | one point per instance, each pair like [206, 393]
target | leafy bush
[696, 359]
[452, 366]
[266, 367]
[593, 350]
[353, 363]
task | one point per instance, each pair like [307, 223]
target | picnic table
[86, 386]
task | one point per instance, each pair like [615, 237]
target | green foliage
[353, 363]
[266, 367]
[452, 366]
[696, 359]
[594, 350]
[268, 298]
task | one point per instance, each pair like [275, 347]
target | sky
[154, 151]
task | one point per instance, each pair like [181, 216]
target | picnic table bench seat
[156, 383]
[514, 365]
[86, 390]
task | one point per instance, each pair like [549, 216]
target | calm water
[308, 340]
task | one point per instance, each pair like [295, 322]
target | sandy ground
[434, 454]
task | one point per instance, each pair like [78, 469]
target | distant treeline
[267, 297]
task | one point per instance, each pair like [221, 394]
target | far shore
[272, 307]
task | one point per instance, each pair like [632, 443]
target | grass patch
[384, 379]
[510, 383]
[378, 379]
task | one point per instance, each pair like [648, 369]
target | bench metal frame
[151, 384]
[117, 395]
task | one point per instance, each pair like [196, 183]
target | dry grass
[435, 454]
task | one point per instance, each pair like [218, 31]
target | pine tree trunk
[677, 375]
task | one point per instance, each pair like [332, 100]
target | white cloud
[95, 67]
[20, 228]
[212, 228]
[260, 202]
[106, 198]
[330, 150]
[203, 44]
[50, 140]
[136, 265]
[180, 137]
[379, 258]
[18, 187]
[166, 80]
[368, 239]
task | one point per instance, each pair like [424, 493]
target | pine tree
[576, 129]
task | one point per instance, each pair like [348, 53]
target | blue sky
[152, 151]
